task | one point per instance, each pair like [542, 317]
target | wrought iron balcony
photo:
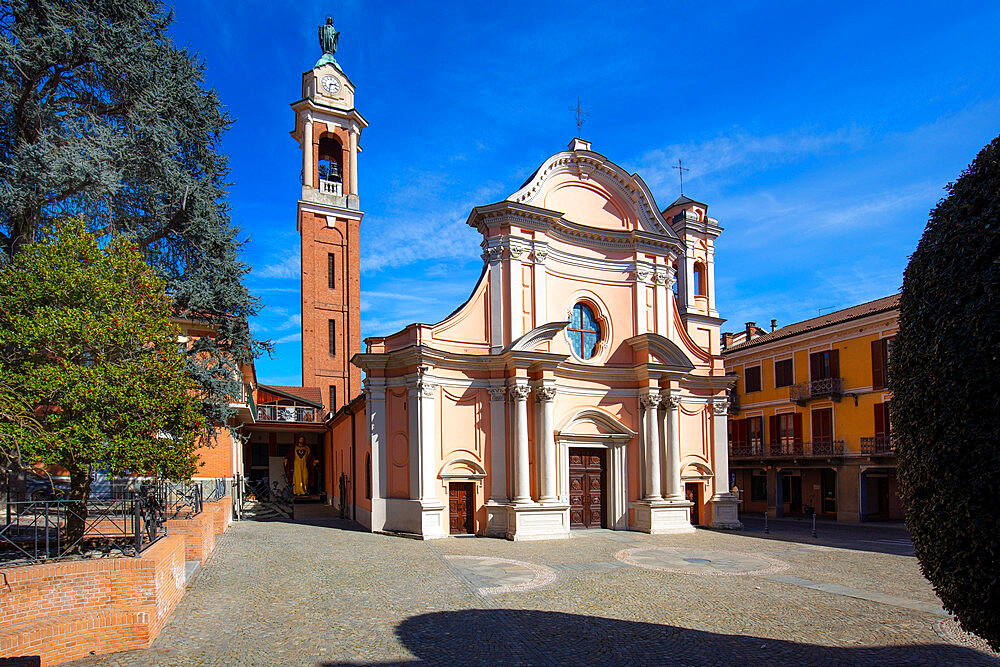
[746, 450]
[785, 449]
[827, 387]
[827, 447]
[879, 444]
[287, 413]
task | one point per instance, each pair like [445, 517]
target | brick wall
[222, 513]
[198, 533]
[216, 458]
[68, 610]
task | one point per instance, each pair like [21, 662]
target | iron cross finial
[580, 113]
[680, 172]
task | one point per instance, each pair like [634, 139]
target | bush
[946, 397]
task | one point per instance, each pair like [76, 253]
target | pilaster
[724, 504]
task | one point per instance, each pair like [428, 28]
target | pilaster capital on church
[670, 401]
[643, 273]
[492, 253]
[519, 392]
[374, 388]
[517, 248]
[498, 394]
[649, 400]
[661, 276]
[545, 394]
[539, 251]
[720, 406]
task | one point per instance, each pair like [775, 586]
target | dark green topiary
[945, 380]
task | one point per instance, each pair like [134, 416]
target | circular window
[584, 331]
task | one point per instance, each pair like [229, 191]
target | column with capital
[671, 406]
[650, 402]
[426, 392]
[724, 504]
[522, 482]
[307, 151]
[498, 444]
[547, 447]
[662, 313]
[516, 249]
[354, 162]
[492, 255]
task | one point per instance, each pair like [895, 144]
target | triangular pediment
[588, 189]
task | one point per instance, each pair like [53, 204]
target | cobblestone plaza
[318, 592]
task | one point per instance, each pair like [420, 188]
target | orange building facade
[809, 427]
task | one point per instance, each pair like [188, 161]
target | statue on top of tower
[328, 38]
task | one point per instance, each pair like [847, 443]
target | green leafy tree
[104, 119]
[87, 345]
[946, 400]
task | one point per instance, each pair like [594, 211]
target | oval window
[584, 331]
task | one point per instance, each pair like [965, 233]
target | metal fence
[262, 500]
[39, 530]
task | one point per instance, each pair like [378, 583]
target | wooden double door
[461, 508]
[587, 477]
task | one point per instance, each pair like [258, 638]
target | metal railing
[827, 447]
[178, 500]
[746, 449]
[879, 444]
[785, 449]
[804, 391]
[40, 530]
[287, 413]
[262, 499]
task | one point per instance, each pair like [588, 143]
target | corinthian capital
[649, 400]
[492, 253]
[424, 388]
[498, 393]
[720, 406]
[670, 401]
[545, 393]
[520, 391]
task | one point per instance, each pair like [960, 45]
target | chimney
[774, 324]
[750, 327]
[727, 340]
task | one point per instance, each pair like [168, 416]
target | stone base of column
[663, 517]
[426, 520]
[496, 519]
[724, 512]
[537, 522]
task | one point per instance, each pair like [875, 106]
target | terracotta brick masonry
[71, 609]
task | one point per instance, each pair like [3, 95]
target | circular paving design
[701, 562]
[493, 576]
[952, 632]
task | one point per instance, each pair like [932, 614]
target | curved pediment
[588, 189]
[661, 350]
[593, 422]
[543, 334]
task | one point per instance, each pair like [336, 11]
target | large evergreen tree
[945, 397]
[104, 119]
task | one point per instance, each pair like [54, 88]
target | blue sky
[819, 136]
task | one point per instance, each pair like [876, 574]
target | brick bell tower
[328, 127]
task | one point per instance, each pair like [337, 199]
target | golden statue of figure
[300, 469]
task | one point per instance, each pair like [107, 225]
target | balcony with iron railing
[879, 444]
[823, 388]
[288, 413]
[244, 403]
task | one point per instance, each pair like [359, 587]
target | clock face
[330, 85]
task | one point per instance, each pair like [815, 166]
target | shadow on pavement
[880, 538]
[511, 636]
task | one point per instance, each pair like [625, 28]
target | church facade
[579, 386]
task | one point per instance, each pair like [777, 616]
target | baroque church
[579, 386]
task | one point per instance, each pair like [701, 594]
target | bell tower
[328, 129]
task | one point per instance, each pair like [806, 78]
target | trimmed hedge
[944, 374]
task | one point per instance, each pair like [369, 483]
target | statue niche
[300, 468]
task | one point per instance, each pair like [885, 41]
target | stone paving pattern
[319, 593]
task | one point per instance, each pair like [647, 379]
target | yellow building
[809, 415]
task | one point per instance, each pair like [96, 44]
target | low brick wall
[68, 610]
[222, 513]
[198, 533]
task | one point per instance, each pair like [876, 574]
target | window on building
[332, 335]
[751, 379]
[786, 429]
[755, 432]
[333, 398]
[676, 282]
[881, 350]
[822, 426]
[368, 476]
[758, 488]
[331, 271]
[783, 373]
[700, 279]
[882, 428]
[330, 155]
[584, 331]
[824, 365]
